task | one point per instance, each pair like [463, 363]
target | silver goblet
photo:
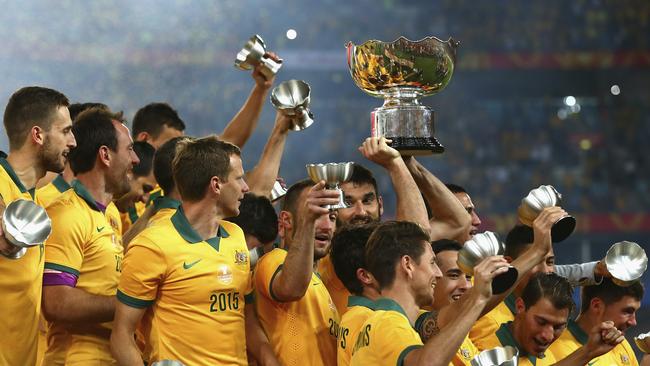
[481, 246]
[537, 200]
[333, 174]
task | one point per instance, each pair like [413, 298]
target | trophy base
[408, 125]
[416, 145]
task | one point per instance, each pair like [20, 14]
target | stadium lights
[292, 34]
[615, 89]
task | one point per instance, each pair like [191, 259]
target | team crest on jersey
[465, 353]
[224, 274]
[625, 359]
[241, 257]
[113, 222]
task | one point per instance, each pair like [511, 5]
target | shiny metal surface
[333, 174]
[500, 356]
[278, 191]
[481, 246]
[167, 363]
[292, 97]
[627, 262]
[25, 224]
[255, 254]
[401, 72]
[425, 65]
[537, 200]
[643, 342]
[253, 53]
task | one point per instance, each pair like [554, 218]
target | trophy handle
[452, 46]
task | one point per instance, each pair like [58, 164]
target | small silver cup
[643, 342]
[333, 174]
[253, 54]
[627, 262]
[500, 356]
[292, 97]
[25, 225]
[481, 246]
[537, 200]
[278, 191]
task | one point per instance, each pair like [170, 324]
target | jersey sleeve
[266, 270]
[143, 270]
[64, 249]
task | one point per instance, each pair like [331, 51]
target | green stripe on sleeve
[405, 352]
[58, 267]
[132, 301]
[271, 283]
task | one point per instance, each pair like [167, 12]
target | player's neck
[203, 218]
[27, 167]
[370, 293]
[587, 321]
[401, 295]
[95, 184]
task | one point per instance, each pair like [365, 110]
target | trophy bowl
[25, 225]
[481, 246]
[626, 261]
[333, 174]
[537, 200]
[499, 356]
[401, 72]
[253, 53]
[292, 97]
[643, 342]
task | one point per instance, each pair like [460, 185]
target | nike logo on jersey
[190, 265]
[99, 229]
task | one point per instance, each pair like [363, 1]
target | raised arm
[602, 339]
[292, 281]
[410, 206]
[242, 125]
[451, 220]
[261, 178]
[444, 341]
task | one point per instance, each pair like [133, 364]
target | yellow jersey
[20, 286]
[302, 332]
[359, 310]
[487, 325]
[466, 352]
[83, 244]
[386, 337]
[337, 290]
[574, 337]
[503, 337]
[194, 290]
[164, 208]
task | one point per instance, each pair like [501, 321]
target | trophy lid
[426, 65]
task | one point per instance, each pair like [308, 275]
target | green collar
[133, 214]
[510, 303]
[361, 301]
[154, 195]
[12, 174]
[577, 332]
[82, 192]
[60, 184]
[161, 202]
[389, 304]
[506, 338]
[179, 220]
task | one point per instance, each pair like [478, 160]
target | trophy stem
[341, 203]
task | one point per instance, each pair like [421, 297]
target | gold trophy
[401, 72]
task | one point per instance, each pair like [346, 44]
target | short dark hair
[92, 129]
[197, 161]
[455, 188]
[293, 194]
[144, 151]
[386, 246]
[152, 117]
[76, 108]
[362, 175]
[257, 217]
[518, 240]
[348, 254]
[162, 163]
[549, 286]
[444, 245]
[28, 107]
[609, 292]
